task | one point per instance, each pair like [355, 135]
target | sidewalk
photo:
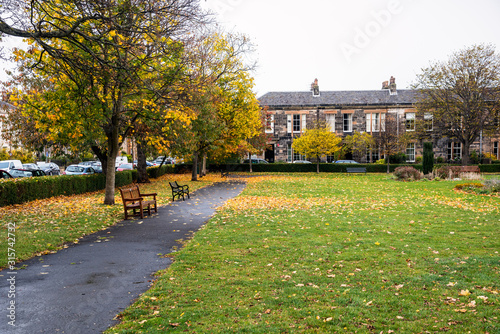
[82, 288]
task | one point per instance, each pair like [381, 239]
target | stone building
[347, 112]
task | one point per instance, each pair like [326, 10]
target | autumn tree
[225, 111]
[317, 142]
[389, 139]
[462, 94]
[96, 54]
[358, 143]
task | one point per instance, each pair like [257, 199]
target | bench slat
[133, 200]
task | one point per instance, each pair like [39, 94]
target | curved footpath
[82, 288]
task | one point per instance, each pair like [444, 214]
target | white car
[9, 165]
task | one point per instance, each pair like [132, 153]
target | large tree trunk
[465, 153]
[204, 165]
[109, 195]
[143, 176]
[194, 174]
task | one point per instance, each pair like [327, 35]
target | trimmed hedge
[303, 168]
[21, 190]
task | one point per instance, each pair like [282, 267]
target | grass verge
[332, 253]
[44, 226]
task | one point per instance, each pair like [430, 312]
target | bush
[428, 158]
[466, 186]
[407, 173]
[17, 191]
[490, 156]
[398, 158]
[447, 172]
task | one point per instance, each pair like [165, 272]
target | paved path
[82, 288]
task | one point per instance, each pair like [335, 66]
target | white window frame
[375, 122]
[296, 123]
[410, 121]
[289, 123]
[349, 122]
[330, 120]
[410, 152]
[270, 124]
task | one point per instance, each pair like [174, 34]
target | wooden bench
[356, 170]
[134, 200]
[470, 169]
[179, 190]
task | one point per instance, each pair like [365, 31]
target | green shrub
[17, 191]
[466, 186]
[428, 158]
[407, 173]
[398, 158]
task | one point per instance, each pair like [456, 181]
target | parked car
[79, 170]
[346, 162]
[24, 172]
[31, 166]
[9, 165]
[127, 166]
[148, 164]
[49, 168]
[168, 161]
[255, 161]
[5, 175]
[97, 165]
[301, 162]
[121, 160]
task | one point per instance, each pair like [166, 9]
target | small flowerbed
[490, 187]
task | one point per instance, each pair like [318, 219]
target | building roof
[338, 99]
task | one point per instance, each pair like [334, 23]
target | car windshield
[74, 169]
[125, 166]
[4, 164]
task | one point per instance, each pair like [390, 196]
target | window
[297, 156]
[330, 120]
[296, 123]
[454, 151]
[495, 149]
[410, 152]
[292, 156]
[375, 122]
[270, 124]
[410, 121]
[428, 122]
[372, 154]
[347, 122]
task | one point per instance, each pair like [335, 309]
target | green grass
[45, 226]
[333, 253]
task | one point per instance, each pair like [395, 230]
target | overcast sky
[354, 44]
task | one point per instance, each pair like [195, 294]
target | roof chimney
[315, 87]
[392, 86]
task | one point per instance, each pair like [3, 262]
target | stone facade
[289, 114]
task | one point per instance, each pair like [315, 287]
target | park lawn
[45, 226]
[333, 253]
